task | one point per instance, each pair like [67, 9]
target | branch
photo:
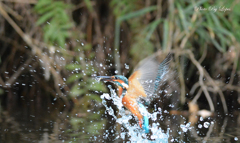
[197, 96]
[203, 86]
[37, 51]
[21, 1]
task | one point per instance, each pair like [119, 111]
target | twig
[11, 22]
[217, 89]
[234, 68]
[213, 84]
[223, 101]
[230, 87]
[159, 9]
[221, 134]
[203, 86]
[194, 87]
[21, 1]
[197, 96]
[12, 12]
[204, 54]
[181, 78]
[36, 50]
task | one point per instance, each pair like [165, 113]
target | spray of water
[133, 132]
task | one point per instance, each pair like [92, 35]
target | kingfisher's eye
[116, 77]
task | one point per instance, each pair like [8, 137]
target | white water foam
[134, 132]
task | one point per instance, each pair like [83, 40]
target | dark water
[28, 122]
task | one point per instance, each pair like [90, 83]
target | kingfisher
[141, 87]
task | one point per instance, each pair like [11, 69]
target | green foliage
[135, 19]
[55, 19]
[123, 7]
[83, 85]
[209, 26]
[89, 5]
[142, 47]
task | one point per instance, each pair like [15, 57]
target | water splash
[133, 132]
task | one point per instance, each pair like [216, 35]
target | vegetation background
[50, 49]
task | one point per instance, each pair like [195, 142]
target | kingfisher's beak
[104, 78]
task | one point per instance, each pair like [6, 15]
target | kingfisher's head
[119, 80]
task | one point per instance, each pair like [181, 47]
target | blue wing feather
[152, 73]
[162, 71]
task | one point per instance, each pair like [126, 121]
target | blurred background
[50, 49]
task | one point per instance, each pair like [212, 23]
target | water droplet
[206, 124]
[235, 138]
[126, 66]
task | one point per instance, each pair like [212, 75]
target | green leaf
[74, 77]
[89, 5]
[41, 3]
[152, 27]
[215, 20]
[216, 44]
[76, 121]
[182, 17]
[190, 8]
[77, 91]
[87, 47]
[94, 97]
[67, 26]
[45, 17]
[55, 12]
[60, 40]
[46, 8]
[165, 34]
[50, 33]
[73, 66]
[96, 86]
[137, 13]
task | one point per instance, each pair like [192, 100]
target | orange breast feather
[135, 88]
[131, 105]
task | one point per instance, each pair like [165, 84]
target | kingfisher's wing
[148, 76]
